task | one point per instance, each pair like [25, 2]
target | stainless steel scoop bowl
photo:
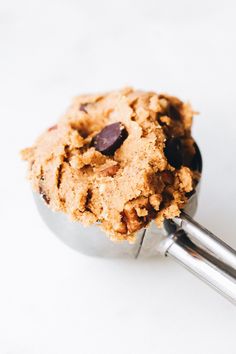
[181, 238]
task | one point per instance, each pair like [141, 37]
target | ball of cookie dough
[119, 159]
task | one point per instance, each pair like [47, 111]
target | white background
[52, 299]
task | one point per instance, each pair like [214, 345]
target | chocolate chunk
[173, 152]
[110, 138]
[83, 107]
[173, 112]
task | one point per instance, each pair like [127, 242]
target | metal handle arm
[188, 254]
[207, 240]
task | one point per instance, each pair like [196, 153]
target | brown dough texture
[125, 191]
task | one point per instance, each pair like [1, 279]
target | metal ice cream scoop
[182, 239]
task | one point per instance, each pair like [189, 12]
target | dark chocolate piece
[110, 138]
[173, 112]
[173, 152]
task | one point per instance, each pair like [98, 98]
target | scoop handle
[207, 240]
[209, 269]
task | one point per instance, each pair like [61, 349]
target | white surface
[52, 299]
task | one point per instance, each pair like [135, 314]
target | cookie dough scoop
[125, 163]
[181, 239]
